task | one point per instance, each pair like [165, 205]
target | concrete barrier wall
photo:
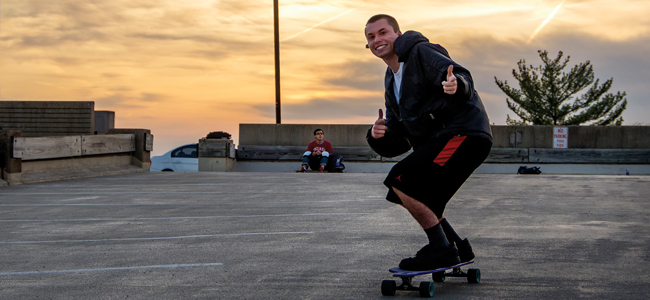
[48, 118]
[580, 137]
[601, 145]
[301, 134]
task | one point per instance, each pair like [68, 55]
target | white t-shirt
[397, 87]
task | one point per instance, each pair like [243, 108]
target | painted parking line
[112, 269]
[190, 204]
[160, 175]
[156, 238]
[167, 184]
[182, 193]
[187, 218]
[91, 204]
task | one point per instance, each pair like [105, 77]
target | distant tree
[547, 96]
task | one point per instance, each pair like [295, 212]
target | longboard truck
[426, 288]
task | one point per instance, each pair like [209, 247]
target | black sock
[449, 232]
[437, 236]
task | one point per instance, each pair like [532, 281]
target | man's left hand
[450, 85]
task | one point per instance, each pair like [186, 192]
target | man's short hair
[317, 130]
[391, 21]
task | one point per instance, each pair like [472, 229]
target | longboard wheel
[473, 275]
[388, 287]
[426, 289]
[438, 277]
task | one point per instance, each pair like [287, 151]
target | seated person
[317, 154]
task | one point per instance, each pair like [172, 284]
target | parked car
[182, 159]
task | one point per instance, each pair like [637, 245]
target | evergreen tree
[547, 96]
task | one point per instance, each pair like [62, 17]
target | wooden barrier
[507, 155]
[254, 152]
[590, 156]
[497, 155]
[110, 143]
[216, 155]
[216, 148]
[37, 159]
[31, 148]
[50, 140]
[28, 148]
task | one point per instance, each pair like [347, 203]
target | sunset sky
[186, 68]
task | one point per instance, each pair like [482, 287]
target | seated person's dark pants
[314, 161]
[436, 170]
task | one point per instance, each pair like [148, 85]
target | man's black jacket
[424, 110]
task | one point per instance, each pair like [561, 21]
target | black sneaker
[465, 251]
[429, 258]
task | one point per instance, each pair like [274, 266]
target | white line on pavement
[186, 204]
[156, 238]
[111, 269]
[185, 218]
[183, 193]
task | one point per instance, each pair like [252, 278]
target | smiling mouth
[381, 47]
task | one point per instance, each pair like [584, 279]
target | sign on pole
[560, 137]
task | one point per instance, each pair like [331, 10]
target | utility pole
[278, 115]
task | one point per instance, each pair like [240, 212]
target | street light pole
[278, 117]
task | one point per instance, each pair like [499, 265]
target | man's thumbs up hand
[450, 85]
[379, 129]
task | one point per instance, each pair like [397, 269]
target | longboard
[426, 288]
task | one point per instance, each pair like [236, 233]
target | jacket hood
[405, 42]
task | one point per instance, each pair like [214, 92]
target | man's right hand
[379, 129]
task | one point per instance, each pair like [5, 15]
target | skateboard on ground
[426, 289]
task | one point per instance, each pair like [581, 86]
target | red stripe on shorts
[449, 150]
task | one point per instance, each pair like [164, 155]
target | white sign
[560, 137]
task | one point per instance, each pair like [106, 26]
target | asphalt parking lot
[316, 236]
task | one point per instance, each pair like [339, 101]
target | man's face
[319, 135]
[381, 38]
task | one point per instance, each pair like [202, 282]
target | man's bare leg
[420, 212]
[427, 219]
[439, 252]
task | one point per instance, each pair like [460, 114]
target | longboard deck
[397, 272]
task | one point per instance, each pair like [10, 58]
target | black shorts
[435, 171]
